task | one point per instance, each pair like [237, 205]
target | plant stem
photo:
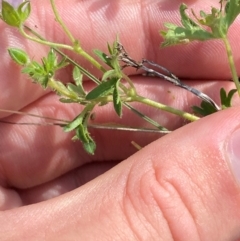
[89, 58]
[63, 92]
[231, 64]
[94, 79]
[172, 110]
[45, 42]
[77, 50]
[84, 71]
[76, 45]
[59, 20]
[144, 117]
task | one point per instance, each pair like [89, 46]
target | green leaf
[78, 79]
[77, 76]
[108, 74]
[187, 22]
[10, 15]
[63, 63]
[117, 103]
[33, 68]
[50, 63]
[83, 135]
[90, 147]
[37, 73]
[52, 59]
[205, 109]
[79, 124]
[196, 30]
[226, 99]
[24, 10]
[41, 73]
[74, 123]
[19, 56]
[80, 119]
[232, 10]
[76, 89]
[180, 35]
[215, 21]
[102, 89]
[104, 57]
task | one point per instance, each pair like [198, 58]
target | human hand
[179, 187]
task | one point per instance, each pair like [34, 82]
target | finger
[169, 190]
[138, 26]
[13, 198]
[61, 185]
[59, 154]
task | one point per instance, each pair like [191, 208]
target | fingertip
[186, 175]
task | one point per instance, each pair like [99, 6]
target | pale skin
[177, 188]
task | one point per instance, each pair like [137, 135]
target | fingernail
[234, 154]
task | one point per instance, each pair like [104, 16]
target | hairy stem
[231, 64]
[44, 42]
[160, 106]
[62, 91]
[59, 20]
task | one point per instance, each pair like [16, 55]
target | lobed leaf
[204, 109]
[187, 22]
[217, 23]
[232, 10]
[226, 99]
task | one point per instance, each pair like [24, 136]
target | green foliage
[24, 10]
[41, 73]
[111, 60]
[117, 103]
[19, 56]
[204, 109]
[207, 109]
[107, 88]
[114, 86]
[209, 26]
[77, 89]
[103, 89]
[78, 79]
[15, 17]
[79, 124]
[226, 99]
[83, 135]
[104, 57]
[232, 10]
[111, 79]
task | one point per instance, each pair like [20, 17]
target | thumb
[184, 186]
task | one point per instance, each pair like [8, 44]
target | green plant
[207, 27]
[115, 86]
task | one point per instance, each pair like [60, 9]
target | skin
[179, 187]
